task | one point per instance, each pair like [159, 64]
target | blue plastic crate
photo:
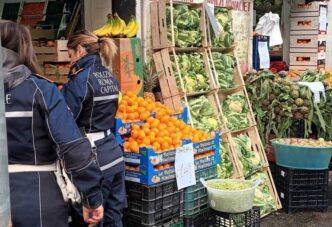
[124, 128]
[148, 175]
[147, 155]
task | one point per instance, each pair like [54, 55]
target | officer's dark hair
[17, 38]
[92, 44]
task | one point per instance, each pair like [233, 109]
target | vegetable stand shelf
[177, 24]
[205, 76]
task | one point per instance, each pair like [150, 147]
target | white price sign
[209, 8]
[185, 166]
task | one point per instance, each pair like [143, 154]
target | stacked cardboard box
[308, 35]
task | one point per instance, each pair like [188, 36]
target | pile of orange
[162, 133]
[132, 108]
[162, 167]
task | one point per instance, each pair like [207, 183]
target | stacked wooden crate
[166, 57]
[308, 35]
[54, 59]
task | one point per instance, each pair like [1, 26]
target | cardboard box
[305, 23]
[128, 65]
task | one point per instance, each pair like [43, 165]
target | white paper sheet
[264, 56]
[185, 166]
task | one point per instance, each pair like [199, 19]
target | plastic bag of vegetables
[202, 114]
[263, 198]
[250, 160]
[224, 65]
[235, 109]
[193, 74]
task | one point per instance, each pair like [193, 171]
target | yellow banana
[106, 31]
[116, 26]
[96, 32]
[130, 26]
[134, 31]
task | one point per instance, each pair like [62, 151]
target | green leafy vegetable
[235, 109]
[229, 185]
[224, 65]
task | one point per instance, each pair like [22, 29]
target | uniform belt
[18, 168]
[94, 136]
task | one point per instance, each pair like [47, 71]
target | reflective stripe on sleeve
[19, 114]
[103, 98]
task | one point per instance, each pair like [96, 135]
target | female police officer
[92, 94]
[40, 130]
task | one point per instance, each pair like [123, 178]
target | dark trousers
[115, 200]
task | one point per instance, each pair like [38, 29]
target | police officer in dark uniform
[92, 94]
[41, 130]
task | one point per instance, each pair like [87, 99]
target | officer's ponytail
[17, 38]
[92, 44]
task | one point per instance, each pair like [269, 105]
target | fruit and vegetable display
[229, 185]
[202, 114]
[226, 37]
[277, 102]
[224, 65]
[314, 75]
[186, 26]
[193, 73]
[132, 108]
[117, 27]
[225, 168]
[235, 109]
[305, 142]
[263, 197]
[162, 132]
[250, 161]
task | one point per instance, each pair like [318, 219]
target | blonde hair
[17, 38]
[92, 44]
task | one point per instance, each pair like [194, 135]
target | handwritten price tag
[185, 166]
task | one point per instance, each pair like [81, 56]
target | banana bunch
[115, 26]
[132, 28]
[118, 26]
[105, 30]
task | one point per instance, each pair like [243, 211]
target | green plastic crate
[195, 197]
[195, 194]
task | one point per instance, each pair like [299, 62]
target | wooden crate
[57, 53]
[256, 145]
[298, 6]
[170, 94]
[272, 187]
[159, 23]
[237, 171]
[214, 101]
[62, 79]
[208, 69]
[307, 41]
[306, 59]
[241, 91]
[238, 78]
[302, 68]
[307, 23]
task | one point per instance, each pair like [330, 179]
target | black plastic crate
[304, 198]
[156, 204]
[273, 166]
[156, 218]
[250, 218]
[199, 220]
[141, 191]
[175, 222]
[289, 178]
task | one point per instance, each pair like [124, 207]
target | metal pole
[4, 178]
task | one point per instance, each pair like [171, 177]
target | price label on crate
[185, 166]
